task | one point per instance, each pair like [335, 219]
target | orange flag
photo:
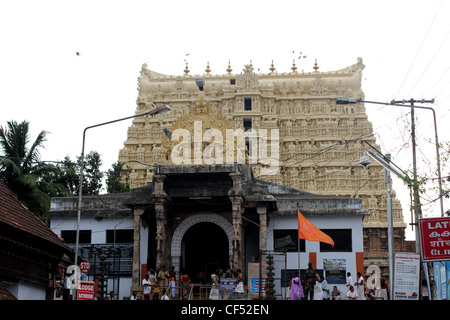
[308, 231]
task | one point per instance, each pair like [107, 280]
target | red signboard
[86, 290]
[85, 266]
[435, 236]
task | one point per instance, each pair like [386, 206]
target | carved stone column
[262, 211]
[161, 232]
[237, 210]
[160, 200]
[136, 279]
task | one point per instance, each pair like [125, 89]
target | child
[156, 291]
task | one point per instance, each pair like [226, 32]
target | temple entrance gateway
[204, 248]
[200, 242]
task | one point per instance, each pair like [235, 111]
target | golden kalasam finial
[272, 68]
[316, 67]
[186, 70]
[207, 70]
[229, 67]
[293, 68]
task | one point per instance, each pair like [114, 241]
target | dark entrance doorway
[205, 247]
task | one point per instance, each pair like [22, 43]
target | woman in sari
[185, 281]
[296, 288]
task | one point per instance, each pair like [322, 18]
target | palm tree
[21, 168]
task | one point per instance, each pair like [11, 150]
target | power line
[437, 82]
[431, 61]
[418, 51]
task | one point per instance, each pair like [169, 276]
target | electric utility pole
[417, 205]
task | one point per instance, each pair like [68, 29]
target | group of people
[359, 293]
[154, 284]
[315, 287]
[228, 274]
[352, 293]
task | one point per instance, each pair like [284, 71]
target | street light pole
[163, 109]
[385, 161]
[390, 232]
[417, 206]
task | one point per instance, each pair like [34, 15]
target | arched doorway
[204, 248]
[178, 236]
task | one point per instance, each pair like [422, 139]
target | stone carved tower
[320, 142]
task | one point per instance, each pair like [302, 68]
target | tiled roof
[5, 294]
[16, 215]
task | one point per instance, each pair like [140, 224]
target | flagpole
[311, 233]
[299, 282]
[298, 250]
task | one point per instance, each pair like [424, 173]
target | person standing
[147, 287]
[318, 292]
[384, 290]
[228, 273]
[215, 280]
[310, 280]
[296, 287]
[325, 289]
[152, 278]
[155, 295]
[185, 282]
[360, 287]
[214, 293]
[349, 281]
[240, 282]
[173, 281]
[163, 277]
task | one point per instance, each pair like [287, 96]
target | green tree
[113, 179]
[21, 168]
[67, 175]
[92, 177]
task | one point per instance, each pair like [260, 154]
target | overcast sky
[404, 45]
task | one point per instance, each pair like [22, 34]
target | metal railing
[200, 292]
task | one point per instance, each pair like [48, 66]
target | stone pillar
[136, 275]
[161, 232]
[160, 200]
[262, 212]
[237, 210]
[237, 202]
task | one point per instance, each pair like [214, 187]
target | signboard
[86, 290]
[85, 266]
[229, 285]
[440, 278]
[256, 280]
[335, 270]
[435, 236]
[406, 276]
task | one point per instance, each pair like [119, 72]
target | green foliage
[92, 177]
[113, 179]
[35, 182]
[21, 169]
